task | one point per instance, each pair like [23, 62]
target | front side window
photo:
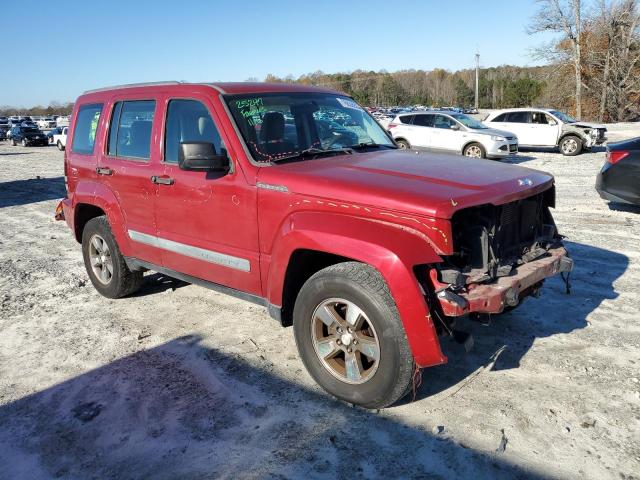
[130, 129]
[84, 134]
[442, 121]
[276, 126]
[189, 121]
[539, 118]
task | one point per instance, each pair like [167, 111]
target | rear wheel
[24, 142]
[105, 264]
[13, 142]
[403, 144]
[474, 150]
[350, 336]
[60, 146]
[570, 145]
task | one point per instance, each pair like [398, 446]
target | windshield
[468, 122]
[564, 118]
[279, 125]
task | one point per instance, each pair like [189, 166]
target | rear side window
[519, 117]
[408, 119]
[423, 120]
[500, 118]
[189, 121]
[84, 133]
[130, 130]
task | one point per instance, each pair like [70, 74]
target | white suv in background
[538, 127]
[451, 132]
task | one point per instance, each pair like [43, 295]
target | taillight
[615, 156]
[392, 125]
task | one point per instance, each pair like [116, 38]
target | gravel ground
[182, 382]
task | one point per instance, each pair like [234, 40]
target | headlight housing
[498, 138]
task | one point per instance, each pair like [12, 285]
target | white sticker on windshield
[348, 103]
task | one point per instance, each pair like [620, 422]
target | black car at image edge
[619, 179]
[28, 135]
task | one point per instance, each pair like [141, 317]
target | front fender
[392, 249]
[97, 194]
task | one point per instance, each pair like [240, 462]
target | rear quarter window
[84, 133]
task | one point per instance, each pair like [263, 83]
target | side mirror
[552, 122]
[454, 127]
[202, 157]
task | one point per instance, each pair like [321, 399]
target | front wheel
[474, 150]
[350, 336]
[105, 264]
[60, 146]
[570, 145]
[403, 144]
[24, 142]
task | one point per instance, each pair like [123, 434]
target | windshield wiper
[362, 146]
[311, 152]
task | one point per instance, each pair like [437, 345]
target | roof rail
[133, 85]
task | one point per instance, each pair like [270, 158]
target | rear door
[421, 131]
[519, 123]
[207, 221]
[126, 166]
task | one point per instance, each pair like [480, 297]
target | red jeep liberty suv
[294, 197]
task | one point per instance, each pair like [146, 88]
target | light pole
[477, 78]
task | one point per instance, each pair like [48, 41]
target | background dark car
[27, 134]
[619, 179]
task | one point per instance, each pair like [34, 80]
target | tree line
[53, 109]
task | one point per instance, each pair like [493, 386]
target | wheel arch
[469, 142]
[321, 240]
[91, 199]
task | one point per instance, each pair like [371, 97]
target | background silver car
[451, 132]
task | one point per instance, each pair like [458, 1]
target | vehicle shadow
[15, 153]
[516, 159]
[510, 336]
[624, 207]
[33, 190]
[157, 283]
[184, 410]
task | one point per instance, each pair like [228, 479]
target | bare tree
[565, 17]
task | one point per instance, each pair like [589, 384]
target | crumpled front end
[502, 254]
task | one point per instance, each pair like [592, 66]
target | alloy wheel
[473, 151]
[100, 258]
[569, 146]
[345, 341]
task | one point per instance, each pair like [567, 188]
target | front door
[207, 221]
[444, 137]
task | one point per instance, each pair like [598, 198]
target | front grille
[490, 240]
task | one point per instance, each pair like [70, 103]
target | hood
[435, 185]
[587, 125]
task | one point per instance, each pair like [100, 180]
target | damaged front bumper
[503, 292]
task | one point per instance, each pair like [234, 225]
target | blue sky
[60, 49]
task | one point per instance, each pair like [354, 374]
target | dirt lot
[182, 382]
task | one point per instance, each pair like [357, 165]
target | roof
[227, 87]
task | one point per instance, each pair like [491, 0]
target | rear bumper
[505, 291]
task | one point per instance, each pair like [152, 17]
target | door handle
[162, 180]
[104, 171]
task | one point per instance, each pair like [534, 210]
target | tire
[13, 142]
[403, 144]
[474, 150]
[120, 281]
[377, 383]
[60, 146]
[570, 145]
[24, 142]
